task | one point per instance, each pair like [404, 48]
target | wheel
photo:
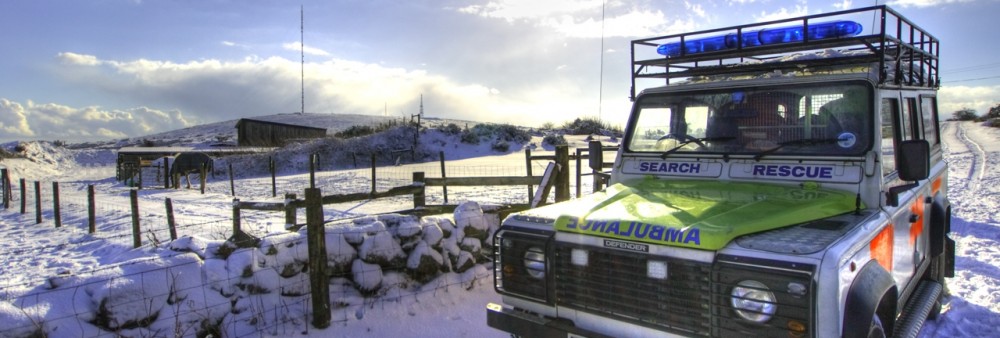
[876, 330]
[935, 311]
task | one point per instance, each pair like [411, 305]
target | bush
[358, 131]
[589, 125]
[500, 145]
[502, 132]
[451, 129]
[994, 112]
[965, 114]
[469, 137]
[554, 140]
[994, 122]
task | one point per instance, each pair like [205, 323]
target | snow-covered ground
[65, 280]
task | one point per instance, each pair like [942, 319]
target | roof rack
[906, 54]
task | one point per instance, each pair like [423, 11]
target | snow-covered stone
[367, 277]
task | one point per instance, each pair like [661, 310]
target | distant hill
[224, 132]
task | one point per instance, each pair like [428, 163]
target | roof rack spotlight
[763, 37]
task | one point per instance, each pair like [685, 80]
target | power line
[972, 68]
[977, 79]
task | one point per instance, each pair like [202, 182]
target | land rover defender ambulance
[781, 179]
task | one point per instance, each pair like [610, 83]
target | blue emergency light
[763, 37]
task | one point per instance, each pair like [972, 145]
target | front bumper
[523, 324]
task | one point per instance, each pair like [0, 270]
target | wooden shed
[257, 133]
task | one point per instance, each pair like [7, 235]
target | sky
[108, 69]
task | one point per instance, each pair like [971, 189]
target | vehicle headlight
[534, 262]
[753, 301]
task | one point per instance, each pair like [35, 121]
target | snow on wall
[197, 287]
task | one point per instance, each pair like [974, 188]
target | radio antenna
[600, 83]
[302, 56]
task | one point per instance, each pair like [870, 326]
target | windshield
[827, 119]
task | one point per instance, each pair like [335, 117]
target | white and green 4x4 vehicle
[784, 179]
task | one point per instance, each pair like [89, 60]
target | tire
[876, 330]
[935, 311]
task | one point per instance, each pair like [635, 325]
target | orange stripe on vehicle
[917, 208]
[936, 186]
[881, 248]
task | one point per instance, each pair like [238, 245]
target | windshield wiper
[798, 142]
[698, 141]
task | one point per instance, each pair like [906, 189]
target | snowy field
[37, 260]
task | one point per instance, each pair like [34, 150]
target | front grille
[615, 284]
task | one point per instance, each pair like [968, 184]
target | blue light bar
[763, 37]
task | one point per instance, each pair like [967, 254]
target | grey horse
[187, 163]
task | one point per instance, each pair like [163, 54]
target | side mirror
[913, 164]
[913, 160]
[595, 154]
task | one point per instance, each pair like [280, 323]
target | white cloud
[213, 90]
[925, 3]
[979, 98]
[582, 19]
[514, 10]
[13, 120]
[695, 8]
[842, 5]
[51, 121]
[78, 59]
[295, 46]
[782, 13]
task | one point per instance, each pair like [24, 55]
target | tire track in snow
[978, 167]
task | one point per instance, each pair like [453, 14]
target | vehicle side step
[912, 319]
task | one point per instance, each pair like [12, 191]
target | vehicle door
[910, 216]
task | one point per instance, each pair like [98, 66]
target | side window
[916, 123]
[890, 109]
[906, 132]
[929, 115]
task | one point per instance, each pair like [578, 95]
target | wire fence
[195, 286]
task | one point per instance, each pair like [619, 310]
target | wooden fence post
[419, 197]
[136, 232]
[274, 183]
[56, 211]
[579, 158]
[171, 225]
[23, 195]
[166, 172]
[596, 159]
[139, 185]
[91, 210]
[373, 173]
[240, 238]
[312, 170]
[444, 188]
[232, 185]
[5, 182]
[318, 280]
[202, 178]
[38, 202]
[562, 176]
[291, 212]
[527, 161]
